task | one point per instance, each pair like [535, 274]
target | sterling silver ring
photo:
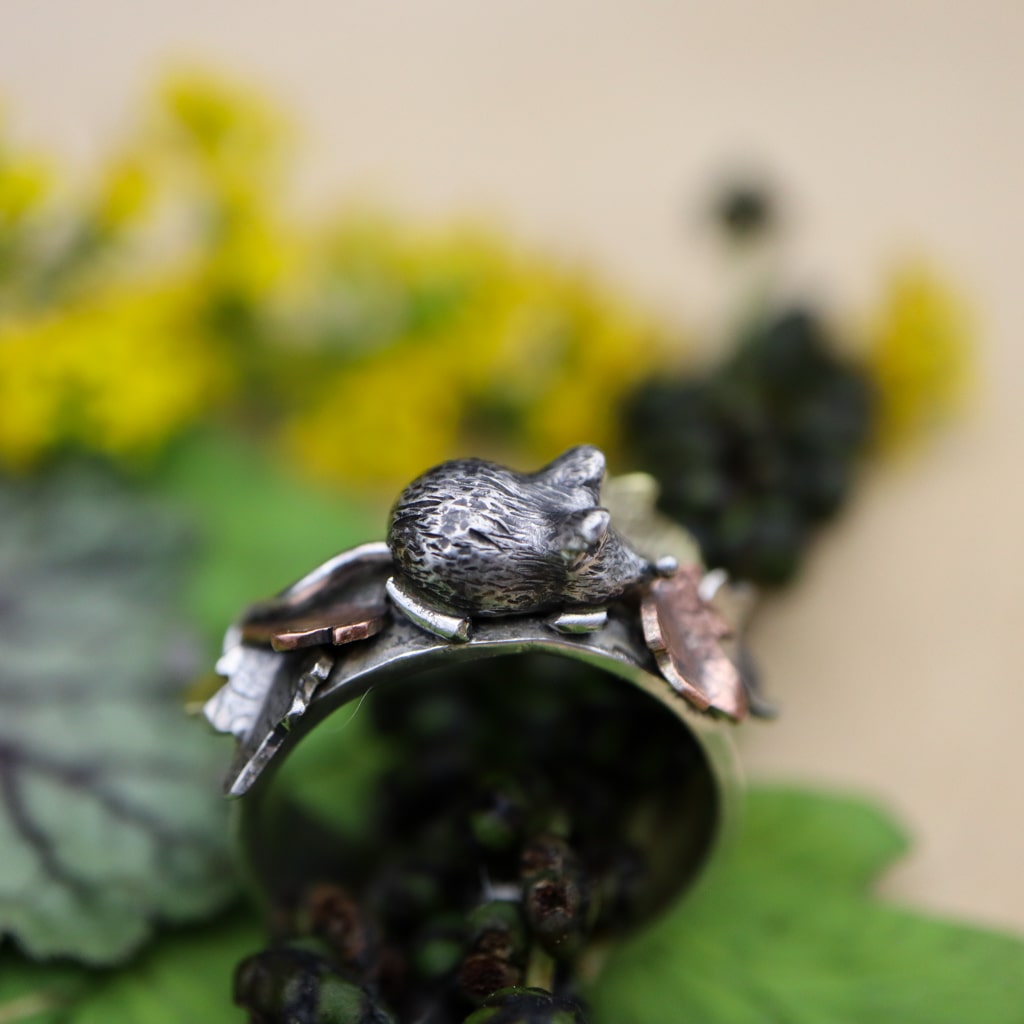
[482, 562]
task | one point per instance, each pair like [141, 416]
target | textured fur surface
[478, 538]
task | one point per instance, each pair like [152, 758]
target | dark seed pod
[555, 896]
[295, 986]
[497, 950]
[481, 974]
[555, 907]
[526, 1006]
[545, 853]
[336, 918]
[497, 927]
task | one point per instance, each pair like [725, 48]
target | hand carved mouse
[471, 537]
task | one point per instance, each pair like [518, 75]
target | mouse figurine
[471, 538]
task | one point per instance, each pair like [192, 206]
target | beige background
[592, 129]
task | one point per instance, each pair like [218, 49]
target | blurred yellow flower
[119, 374]
[377, 423]
[219, 121]
[370, 348]
[250, 260]
[474, 348]
[25, 182]
[366, 348]
[920, 356]
[125, 191]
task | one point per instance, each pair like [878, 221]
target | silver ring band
[358, 623]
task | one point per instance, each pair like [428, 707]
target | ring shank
[402, 655]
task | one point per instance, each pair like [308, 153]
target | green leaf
[36, 993]
[110, 814]
[184, 977]
[785, 931]
[261, 526]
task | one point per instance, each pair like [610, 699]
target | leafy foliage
[32, 993]
[184, 977]
[259, 525]
[785, 931]
[109, 814]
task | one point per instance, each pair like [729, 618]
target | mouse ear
[582, 466]
[580, 533]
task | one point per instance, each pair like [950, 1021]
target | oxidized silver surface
[481, 562]
[475, 538]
